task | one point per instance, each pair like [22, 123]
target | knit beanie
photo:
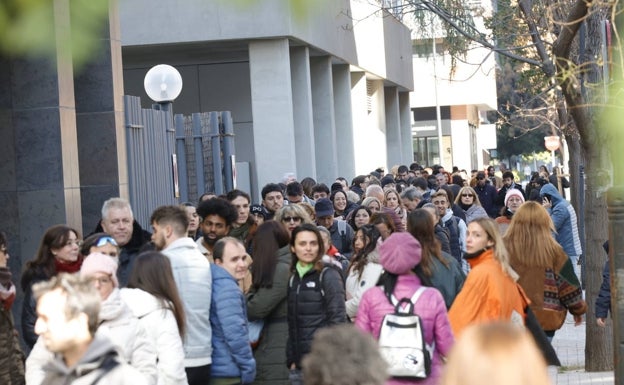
[513, 192]
[400, 253]
[100, 263]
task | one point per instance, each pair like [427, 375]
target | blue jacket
[231, 352]
[564, 219]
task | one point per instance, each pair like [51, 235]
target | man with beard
[217, 216]
[191, 271]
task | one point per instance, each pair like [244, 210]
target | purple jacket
[430, 307]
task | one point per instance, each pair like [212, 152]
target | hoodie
[564, 219]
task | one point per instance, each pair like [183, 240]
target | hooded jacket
[100, 355]
[160, 324]
[564, 219]
[124, 331]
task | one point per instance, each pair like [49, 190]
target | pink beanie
[511, 192]
[100, 263]
[400, 253]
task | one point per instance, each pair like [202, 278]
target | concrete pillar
[393, 122]
[100, 125]
[341, 76]
[272, 110]
[324, 119]
[405, 115]
[302, 112]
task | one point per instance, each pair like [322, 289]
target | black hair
[269, 188]
[230, 196]
[220, 207]
[294, 189]
[402, 169]
[321, 187]
[508, 174]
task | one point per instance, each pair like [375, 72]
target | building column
[393, 122]
[272, 110]
[324, 119]
[341, 76]
[302, 112]
[407, 144]
[368, 128]
[38, 148]
[100, 125]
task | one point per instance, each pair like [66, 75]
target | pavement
[569, 343]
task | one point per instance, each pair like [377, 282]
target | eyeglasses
[291, 219]
[101, 280]
[76, 242]
[467, 195]
[104, 240]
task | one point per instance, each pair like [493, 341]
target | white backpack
[402, 340]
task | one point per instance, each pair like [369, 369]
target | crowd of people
[307, 267]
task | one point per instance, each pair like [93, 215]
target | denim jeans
[295, 377]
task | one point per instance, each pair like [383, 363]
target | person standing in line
[153, 297]
[11, 356]
[546, 273]
[191, 271]
[232, 359]
[316, 296]
[400, 256]
[58, 252]
[118, 221]
[68, 307]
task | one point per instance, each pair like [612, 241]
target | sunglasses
[467, 195]
[291, 219]
[104, 240]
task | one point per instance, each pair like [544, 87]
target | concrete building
[323, 94]
[464, 94]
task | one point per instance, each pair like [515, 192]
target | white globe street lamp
[163, 83]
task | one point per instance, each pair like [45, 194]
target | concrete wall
[352, 31]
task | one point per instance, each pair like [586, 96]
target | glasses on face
[467, 195]
[291, 219]
[71, 243]
[104, 240]
[101, 280]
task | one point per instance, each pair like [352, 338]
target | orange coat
[489, 294]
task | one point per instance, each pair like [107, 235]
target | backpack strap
[411, 302]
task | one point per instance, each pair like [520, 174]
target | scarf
[7, 289]
[67, 267]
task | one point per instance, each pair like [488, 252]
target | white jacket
[123, 329]
[162, 329]
[355, 287]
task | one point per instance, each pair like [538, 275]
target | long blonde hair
[529, 238]
[467, 189]
[500, 251]
[495, 353]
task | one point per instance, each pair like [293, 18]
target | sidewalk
[569, 343]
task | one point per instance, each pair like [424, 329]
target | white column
[405, 114]
[272, 110]
[393, 121]
[324, 119]
[302, 112]
[344, 121]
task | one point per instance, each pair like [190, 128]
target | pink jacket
[430, 307]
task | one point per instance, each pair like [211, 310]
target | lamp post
[163, 84]
[552, 144]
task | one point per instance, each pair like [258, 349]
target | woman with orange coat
[490, 292]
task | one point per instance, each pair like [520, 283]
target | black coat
[312, 305]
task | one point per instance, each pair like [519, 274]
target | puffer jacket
[430, 308]
[123, 329]
[101, 352]
[312, 305]
[231, 352]
[357, 285]
[160, 324]
[269, 304]
[564, 219]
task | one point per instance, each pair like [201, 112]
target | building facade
[323, 93]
